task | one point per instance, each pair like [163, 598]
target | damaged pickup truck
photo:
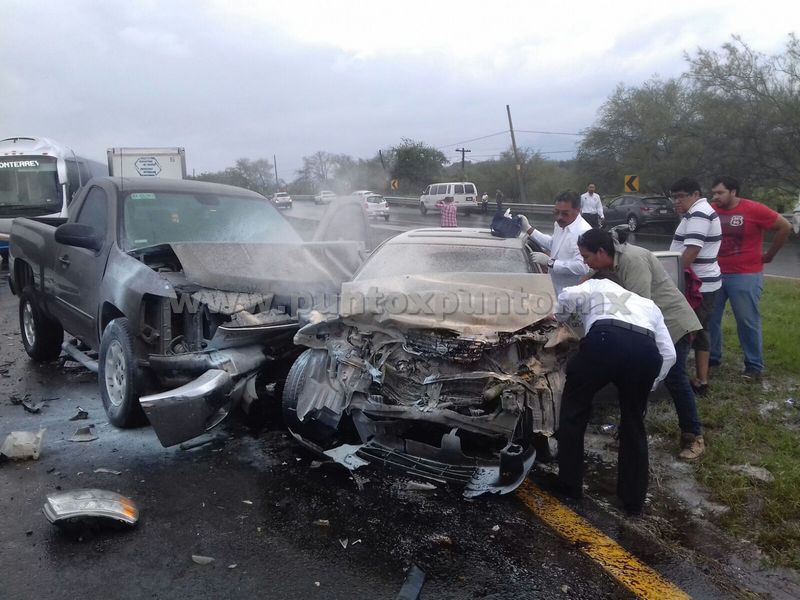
[183, 296]
[440, 359]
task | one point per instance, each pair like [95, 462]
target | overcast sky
[228, 79]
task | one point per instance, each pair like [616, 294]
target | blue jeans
[744, 292]
[677, 382]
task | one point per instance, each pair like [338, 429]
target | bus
[38, 177]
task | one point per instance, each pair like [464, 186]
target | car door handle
[64, 260]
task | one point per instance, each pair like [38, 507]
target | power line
[549, 132]
[475, 139]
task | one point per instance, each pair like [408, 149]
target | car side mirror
[78, 235]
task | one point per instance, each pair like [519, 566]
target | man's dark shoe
[714, 363]
[701, 389]
[752, 375]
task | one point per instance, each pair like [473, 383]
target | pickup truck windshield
[28, 183]
[152, 218]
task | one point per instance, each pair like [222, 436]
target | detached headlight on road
[81, 504]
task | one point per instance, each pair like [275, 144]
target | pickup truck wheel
[121, 378]
[422, 208]
[295, 381]
[41, 335]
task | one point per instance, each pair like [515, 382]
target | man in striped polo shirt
[698, 237]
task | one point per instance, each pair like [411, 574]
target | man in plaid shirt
[448, 209]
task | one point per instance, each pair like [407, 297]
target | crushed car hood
[299, 269]
[468, 303]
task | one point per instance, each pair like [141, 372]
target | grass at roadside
[757, 425]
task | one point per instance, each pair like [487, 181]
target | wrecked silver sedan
[439, 359]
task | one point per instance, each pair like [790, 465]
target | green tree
[751, 112]
[256, 175]
[415, 164]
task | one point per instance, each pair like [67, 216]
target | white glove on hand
[540, 258]
[525, 223]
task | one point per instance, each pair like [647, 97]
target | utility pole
[275, 164]
[517, 166]
[463, 152]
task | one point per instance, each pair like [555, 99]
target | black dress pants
[631, 361]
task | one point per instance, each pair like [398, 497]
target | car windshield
[393, 260]
[28, 183]
[656, 201]
[281, 194]
[375, 199]
[152, 218]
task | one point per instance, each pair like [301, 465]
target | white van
[464, 195]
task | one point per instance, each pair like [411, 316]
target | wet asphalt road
[251, 499]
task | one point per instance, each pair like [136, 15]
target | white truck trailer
[164, 163]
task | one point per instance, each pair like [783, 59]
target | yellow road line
[621, 564]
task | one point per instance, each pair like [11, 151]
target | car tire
[385, 217]
[295, 380]
[41, 335]
[422, 208]
[633, 223]
[120, 377]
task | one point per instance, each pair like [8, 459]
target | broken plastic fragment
[77, 504]
[83, 434]
[23, 445]
[322, 523]
[247, 501]
[345, 455]
[420, 486]
[109, 471]
[343, 542]
[80, 415]
[32, 407]
[412, 586]
[202, 560]
[496, 528]
[232, 566]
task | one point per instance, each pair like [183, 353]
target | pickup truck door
[78, 272]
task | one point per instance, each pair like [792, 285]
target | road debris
[109, 471]
[757, 473]
[202, 560]
[83, 434]
[16, 400]
[441, 539]
[23, 445]
[91, 506]
[496, 528]
[32, 407]
[343, 542]
[420, 486]
[412, 586]
[80, 415]
[232, 566]
[247, 501]
[197, 443]
[322, 523]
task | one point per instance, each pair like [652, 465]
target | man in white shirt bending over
[627, 344]
[564, 260]
[592, 207]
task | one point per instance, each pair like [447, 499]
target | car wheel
[422, 208]
[295, 380]
[385, 217]
[633, 222]
[121, 379]
[41, 335]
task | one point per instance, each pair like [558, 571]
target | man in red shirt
[449, 210]
[741, 262]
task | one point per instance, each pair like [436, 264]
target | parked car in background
[324, 197]
[376, 206]
[641, 211]
[281, 200]
[441, 374]
[464, 195]
[361, 193]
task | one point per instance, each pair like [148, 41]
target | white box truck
[165, 163]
